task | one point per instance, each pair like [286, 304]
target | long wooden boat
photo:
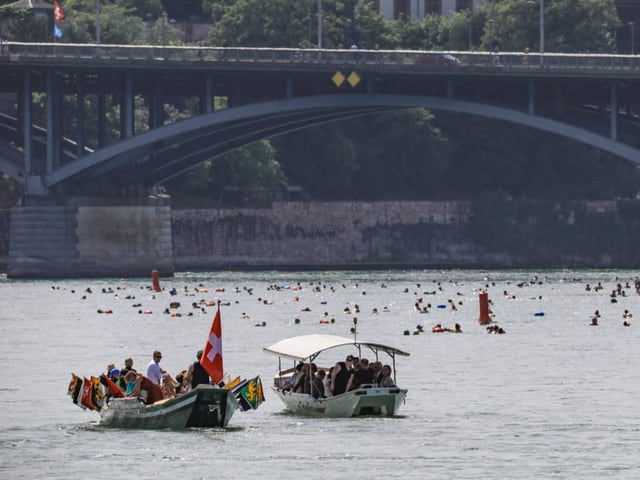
[365, 400]
[204, 406]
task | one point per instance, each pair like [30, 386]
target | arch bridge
[266, 92]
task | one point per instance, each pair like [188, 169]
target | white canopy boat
[364, 400]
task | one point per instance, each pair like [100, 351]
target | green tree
[570, 25]
[248, 167]
[117, 23]
[21, 25]
[258, 23]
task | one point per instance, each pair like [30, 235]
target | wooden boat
[364, 400]
[204, 406]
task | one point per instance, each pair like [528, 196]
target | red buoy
[155, 280]
[484, 309]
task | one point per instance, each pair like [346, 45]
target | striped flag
[85, 396]
[75, 390]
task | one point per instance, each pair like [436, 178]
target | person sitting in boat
[385, 377]
[146, 390]
[339, 379]
[317, 385]
[309, 383]
[362, 376]
[298, 387]
[169, 385]
[128, 367]
[130, 381]
[291, 382]
[183, 385]
[326, 381]
[154, 371]
[115, 377]
[376, 369]
[196, 373]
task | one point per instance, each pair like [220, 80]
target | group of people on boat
[155, 384]
[344, 376]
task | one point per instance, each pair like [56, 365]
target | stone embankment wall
[331, 234]
[89, 241]
[5, 219]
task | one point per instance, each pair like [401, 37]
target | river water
[552, 398]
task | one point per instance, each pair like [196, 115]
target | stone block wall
[317, 234]
[90, 241]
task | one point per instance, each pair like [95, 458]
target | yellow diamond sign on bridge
[338, 78]
[353, 79]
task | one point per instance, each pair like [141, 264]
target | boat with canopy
[366, 399]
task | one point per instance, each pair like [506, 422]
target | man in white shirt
[154, 372]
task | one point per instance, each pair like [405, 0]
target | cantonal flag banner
[75, 390]
[85, 398]
[252, 393]
[211, 359]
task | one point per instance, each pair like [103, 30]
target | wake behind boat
[366, 399]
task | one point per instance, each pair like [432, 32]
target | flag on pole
[85, 397]
[250, 396]
[211, 359]
[58, 14]
[75, 390]
[57, 31]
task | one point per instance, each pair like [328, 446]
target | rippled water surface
[552, 398]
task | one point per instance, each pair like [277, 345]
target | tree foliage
[569, 25]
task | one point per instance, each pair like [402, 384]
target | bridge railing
[381, 59]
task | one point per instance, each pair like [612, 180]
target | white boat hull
[375, 401]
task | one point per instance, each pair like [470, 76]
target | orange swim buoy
[155, 280]
[484, 318]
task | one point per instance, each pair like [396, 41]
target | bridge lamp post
[541, 28]
[469, 31]
[164, 26]
[97, 22]
[632, 27]
[319, 14]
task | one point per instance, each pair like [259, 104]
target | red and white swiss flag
[211, 359]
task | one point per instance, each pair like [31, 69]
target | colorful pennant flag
[85, 398]
[97, 394]
[112, 388]
[75, 390]
[57, 31]
[211, 359]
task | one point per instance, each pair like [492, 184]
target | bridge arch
[162, 153]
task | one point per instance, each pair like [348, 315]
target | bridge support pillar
[91, 238]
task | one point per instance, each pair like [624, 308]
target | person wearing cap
[196, 373]
[114, 375]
